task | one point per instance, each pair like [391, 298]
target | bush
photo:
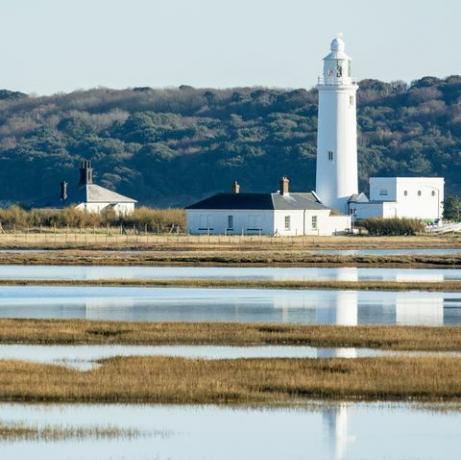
[392, 226]
[142, 219]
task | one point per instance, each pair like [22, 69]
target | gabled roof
[89, 193]
[259, 201]
[358, 198]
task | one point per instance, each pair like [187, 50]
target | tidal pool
[336, 431]
[94, 272]
[85, 357]
[232, 305]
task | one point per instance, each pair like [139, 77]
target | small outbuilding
[281, 213]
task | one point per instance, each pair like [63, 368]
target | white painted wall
[265, 222]
[119, 208]
[413, 197]
[336, 175]
[213, 221]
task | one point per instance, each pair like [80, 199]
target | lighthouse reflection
[335, 419]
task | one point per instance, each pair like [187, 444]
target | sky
[51, 46]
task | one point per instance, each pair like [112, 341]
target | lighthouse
[336, 178]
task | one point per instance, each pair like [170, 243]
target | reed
[72, 332]
[243, 381]
[454, 286]
[222, 257]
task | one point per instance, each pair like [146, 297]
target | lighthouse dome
[337, 44]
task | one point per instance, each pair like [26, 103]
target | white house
[88, 196]
[336, 180]
[281, 213]
[415, 197]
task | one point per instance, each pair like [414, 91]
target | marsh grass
[221, 257]
[446, 286]
[111, 239]
[244, 381]
[73, 332]
[22, 431]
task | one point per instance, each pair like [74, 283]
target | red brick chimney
[284, 186]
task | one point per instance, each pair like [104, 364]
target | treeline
[174, 146]
[141, 220]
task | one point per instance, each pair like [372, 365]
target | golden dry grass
[18, 432]
[243, 381]
[32, 331]
[221, 257]
[102, 239]
[453, 286]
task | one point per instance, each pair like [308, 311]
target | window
[419, 193]
[314, 222]
[351, 100]
[383, 192]
[287, 222]
[230, 222]
[405, 193]
[330, 155]
[433, 193]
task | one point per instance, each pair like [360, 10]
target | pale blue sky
[48, 46]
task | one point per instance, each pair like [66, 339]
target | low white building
[88, 196]
[411, 197]
[281, 213]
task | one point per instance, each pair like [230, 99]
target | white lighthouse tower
[336, 178]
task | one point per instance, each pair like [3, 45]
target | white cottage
[281, 213]
[88, 196]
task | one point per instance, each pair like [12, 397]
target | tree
[452, 208]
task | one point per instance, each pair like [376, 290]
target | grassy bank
[243, 381]
[439, 286]
[72, 332]
[266, 257]
[111, 239]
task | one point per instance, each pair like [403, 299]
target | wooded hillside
[173, 146]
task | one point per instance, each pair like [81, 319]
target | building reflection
[335, 419]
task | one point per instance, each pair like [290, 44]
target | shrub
[142, 219]
[392, 226]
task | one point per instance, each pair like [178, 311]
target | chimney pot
[86, 173]
[236, 187]
[63, 191]
[284, 186]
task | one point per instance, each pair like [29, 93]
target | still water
[85, 357]
[339, 431]
[85, 272]
[232, 305]
[390, 252]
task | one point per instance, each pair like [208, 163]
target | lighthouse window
[433, 193]
[330, 155]
[351, 100]
[405, 193]
[419, 193]
[383, 192]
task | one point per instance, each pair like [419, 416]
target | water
[339, 431]
[390, 252]
[232, 305]
[85, 357]
[44, 272]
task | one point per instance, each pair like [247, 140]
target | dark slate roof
[259, 201]
[89, 193]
